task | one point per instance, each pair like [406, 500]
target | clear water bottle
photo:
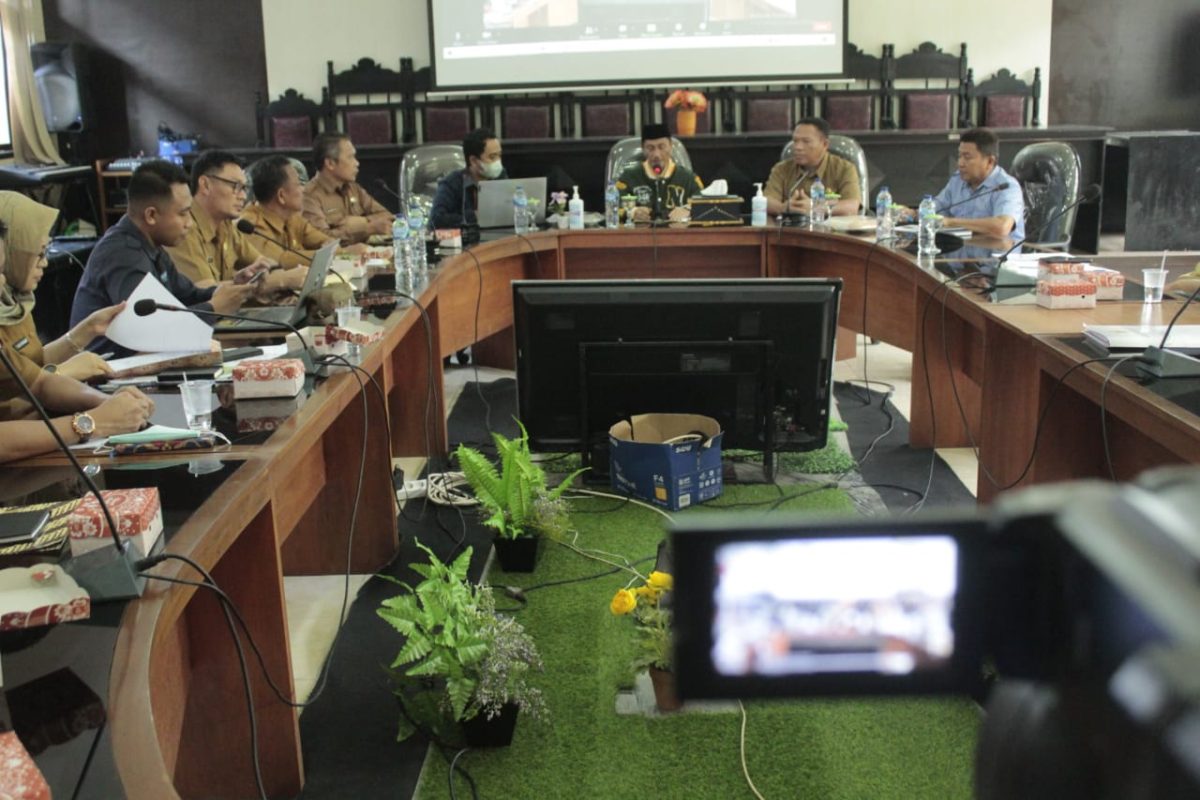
[400, 243]
[416, 239]
[817, 194]
[520, 210]
[927, 218]
[612, 206]
[885, 222]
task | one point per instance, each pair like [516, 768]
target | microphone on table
[382, 184]
[976, 195]
[147, 306]
[1159, 362]
[104, 573]
[246, 226]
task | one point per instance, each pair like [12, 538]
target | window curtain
[23, 26]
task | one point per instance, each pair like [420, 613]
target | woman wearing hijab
[25, 242]
[83, 411]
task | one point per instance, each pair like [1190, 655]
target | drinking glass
[198, 403]
[1154, 280]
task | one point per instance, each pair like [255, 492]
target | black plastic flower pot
[479, 731]
[520, 554]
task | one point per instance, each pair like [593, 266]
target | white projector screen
[509, 44]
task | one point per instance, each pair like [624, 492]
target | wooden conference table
[174, 702]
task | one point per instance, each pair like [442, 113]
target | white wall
[301, 35]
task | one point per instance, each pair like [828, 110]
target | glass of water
[1154, 280]
[198, 403]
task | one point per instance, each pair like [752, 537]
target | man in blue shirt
[457, 197]
[971, 199]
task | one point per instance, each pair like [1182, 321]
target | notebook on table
[260, 319]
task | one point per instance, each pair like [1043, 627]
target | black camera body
[1082, 599]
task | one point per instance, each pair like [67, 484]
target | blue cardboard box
[670, 460]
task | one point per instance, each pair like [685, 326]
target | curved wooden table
[175, 701]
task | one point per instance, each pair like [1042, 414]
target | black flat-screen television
[756, 355]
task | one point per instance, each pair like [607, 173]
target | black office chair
[1049, 176]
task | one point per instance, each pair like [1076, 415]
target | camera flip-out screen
[827, 610]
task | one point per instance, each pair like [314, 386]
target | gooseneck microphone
[147, 306]
[382, 184]
[104, 574]
[246, 226]
[1159, 362]
[1000, 187]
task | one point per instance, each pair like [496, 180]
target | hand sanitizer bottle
[758, 209]
[575, 211]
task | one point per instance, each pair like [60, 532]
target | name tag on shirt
[21, 343]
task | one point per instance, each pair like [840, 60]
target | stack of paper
[1139, 337]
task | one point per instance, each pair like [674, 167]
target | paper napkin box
[20, 778]
[658, 458]
[1066, 294]
[355, 332]
[275, 377]
[136, 512]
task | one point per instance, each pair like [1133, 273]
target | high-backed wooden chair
[292, 121]
[365, 100]
[1004, 100]
[765, 111]
[607, 116]
[527, 118]
[854, 108]
[940, 104]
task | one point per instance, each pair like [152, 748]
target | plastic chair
[847, 148]
[1049, 176]
[422, 167]
[629, 151]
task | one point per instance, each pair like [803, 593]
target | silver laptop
[290, 315]
[495, 201]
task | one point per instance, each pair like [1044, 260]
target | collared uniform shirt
[340, 211]
[24, 350]
[212, 251]
[120, 260]
[838, 175]
[1008, 203]
[296, 232]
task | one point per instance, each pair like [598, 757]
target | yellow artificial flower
[623, 602]
[648, 592]
[660, 581]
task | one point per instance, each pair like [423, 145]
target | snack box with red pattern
[449, 238]
[274, 377]
[1066, 294]
[267, 415]
[42, 594]
[20, 778]
[355, 332]
[1061, 268]
[314, 337]
[1110, 284]
[136, 512]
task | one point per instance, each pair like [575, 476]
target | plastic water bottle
[817, 194]
[612, 206]
[758, 209]
[927, 217]
[885, 223]
[520, 210]
[416, 239]
[400, 243]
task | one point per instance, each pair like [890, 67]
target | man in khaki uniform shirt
[811, 158]
[214, 250]
[333, 202]
[276, 215]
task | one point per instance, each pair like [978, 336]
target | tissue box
[356, 332]
[282, 377]
[137, 513]
[449, 238]
[717, 210]
[20, 779]
[1066, 294]
[269, 414]
[649, 461]
[1110, 284]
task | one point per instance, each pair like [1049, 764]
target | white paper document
[162, 331]
[1138, 337]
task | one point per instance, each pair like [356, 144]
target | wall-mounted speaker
[62, 73]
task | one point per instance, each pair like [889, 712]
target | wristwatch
[83, 425]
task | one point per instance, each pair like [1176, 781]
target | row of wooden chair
[925, 89]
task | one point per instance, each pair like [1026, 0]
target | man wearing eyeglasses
[214, 251]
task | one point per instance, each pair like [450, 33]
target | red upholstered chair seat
[527, 122]
[850, 113]
[606, 119]
[768, 114]
[291, 132]
[447, 124]
[369, 126]
[1004, 111]
[927, 111]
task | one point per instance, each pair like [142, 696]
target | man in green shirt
[788, 186]
[663, 188]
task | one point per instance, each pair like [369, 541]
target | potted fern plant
[515, 499]
[462, 666]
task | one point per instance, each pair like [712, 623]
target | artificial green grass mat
[795, 749]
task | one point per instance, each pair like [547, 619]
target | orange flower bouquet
[690, 103]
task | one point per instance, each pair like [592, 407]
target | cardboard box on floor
[670, 460]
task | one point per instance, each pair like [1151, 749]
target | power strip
[413, 490]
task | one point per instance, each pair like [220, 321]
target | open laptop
[495, 201]
[260, 318]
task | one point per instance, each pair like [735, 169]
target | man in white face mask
[458, 193]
